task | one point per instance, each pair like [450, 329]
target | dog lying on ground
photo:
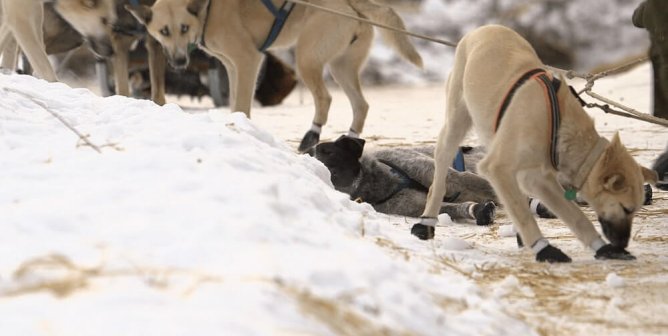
[544, 133]
[234, 31]
[22, 24]
[395, 181]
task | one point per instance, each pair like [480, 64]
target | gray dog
[395, 181]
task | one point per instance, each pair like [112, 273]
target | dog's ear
[195, 6]
[89, 3]
[615, 183]
[650, 176]
[142, 13]
[353, 145]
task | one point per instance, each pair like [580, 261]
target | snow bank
[198, 224]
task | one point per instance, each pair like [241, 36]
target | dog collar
[589, 162]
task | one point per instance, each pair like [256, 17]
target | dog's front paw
[613, 252]
[309, 140]
[484, 213]
[422, 231]
[552, 254]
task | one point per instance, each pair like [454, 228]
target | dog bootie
[552, 254]
[425, 229]
[484, 213]
[539, 209]
[609, 251]
[423, 232]
[310, 139]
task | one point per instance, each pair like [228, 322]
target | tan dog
[234, 30]
[488, 62]
[22, 23]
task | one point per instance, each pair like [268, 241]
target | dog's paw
[613, 252]
[423, 232]
[552, 254]
[309, 140]
[484, 213]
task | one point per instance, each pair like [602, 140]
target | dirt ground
[584, 297]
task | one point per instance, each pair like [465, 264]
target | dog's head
[341, 157]
[93, 19]
[175, 24]
[614, 189]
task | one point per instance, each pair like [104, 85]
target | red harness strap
[550, 87]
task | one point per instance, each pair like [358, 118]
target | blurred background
[571, 34]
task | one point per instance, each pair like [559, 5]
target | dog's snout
[617, 233]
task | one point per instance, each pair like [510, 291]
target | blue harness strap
[458, 163]
[280, 17]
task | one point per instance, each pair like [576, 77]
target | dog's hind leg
[346, 68]
[310, 66]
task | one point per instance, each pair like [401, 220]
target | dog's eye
[184, 28]
[164, 31]
[105, 21]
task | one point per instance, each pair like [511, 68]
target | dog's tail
[388, 17]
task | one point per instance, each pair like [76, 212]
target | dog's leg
[458, 122]
[27, 30]
[506, 181]
[10, 52]
[345, 69]
[546, 187]
[121, 45]
[246, 66]
[157, 65]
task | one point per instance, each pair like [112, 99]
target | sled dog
[22, 23]
[235, 31]
[537, 135]
[395, 181]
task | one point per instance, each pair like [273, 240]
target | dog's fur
[233, 31]
[395, 181]
[487, 61]
[22, 24]
[123, 38]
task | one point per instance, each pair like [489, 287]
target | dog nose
[618, 235]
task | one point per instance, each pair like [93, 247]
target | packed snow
[197, 224]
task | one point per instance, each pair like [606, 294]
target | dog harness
[405, 182]
[280, 17]
[550, 87]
